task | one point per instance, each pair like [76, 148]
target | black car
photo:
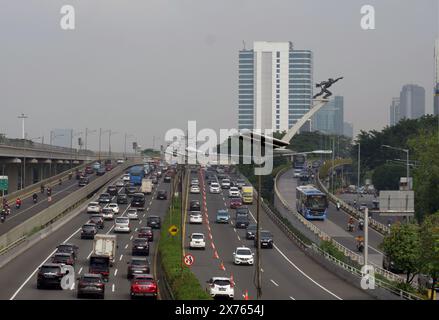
[250, 232]
[101, 171]
[98, 220]
[112, 190]
[240, 183]
[155, 180]
[146, 232]
[154, 222]
[140, 247]
[138, 201]
[162, 195]
[88, 231]
[122, 198]
[83, 181]
[130, 191]
[90, 284]
[194, 205]
[167, 179]
[104, 198]
[266, 239]
[50, 275]
[68, 248]
[137, 266]
[242, 211]
[241, 222]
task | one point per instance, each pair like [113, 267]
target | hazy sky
[144, 66]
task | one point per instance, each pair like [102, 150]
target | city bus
[311, 202]
[137, 173]
[299, 161]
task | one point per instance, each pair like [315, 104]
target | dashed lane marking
[274, 283]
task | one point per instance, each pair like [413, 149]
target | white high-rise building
[275, 85]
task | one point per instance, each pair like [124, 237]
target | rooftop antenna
[243, 43]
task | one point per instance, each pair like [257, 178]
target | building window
[278, 66]
[277, 86]
[278, 54]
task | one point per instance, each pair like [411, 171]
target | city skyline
[127, 68]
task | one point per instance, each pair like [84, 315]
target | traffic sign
[188, 260]
[173, 230]
[4, 182]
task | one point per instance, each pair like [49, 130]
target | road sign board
[188, 260]
[396, 203]
[4, 183]
[173, 230]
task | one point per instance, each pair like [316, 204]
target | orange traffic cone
[222, 266]
[215, 255]
[246, 295]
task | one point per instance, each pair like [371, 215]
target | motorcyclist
[35, 197]
[18, 203]
[3, 215]
[60, 181]
[351, 224]
[361, 224]
[338, 206]
[70, 175]
[49, 191]
[360, 244]
[42, 188]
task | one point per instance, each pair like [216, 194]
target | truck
[146, 187]
[247, 194]
[103, 254]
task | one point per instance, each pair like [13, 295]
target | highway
[287, 273]
[29, 208]
[336, 222]
[18, 278]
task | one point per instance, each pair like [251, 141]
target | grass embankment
[183, 283]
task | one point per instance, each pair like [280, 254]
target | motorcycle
[42, 189]
[361, 225]
[3, 218]
[338, 206]
[17, 205]
[350, 227]
[60, 182]
[360, 246]
[35, 200]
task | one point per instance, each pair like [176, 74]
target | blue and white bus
[137, 173]
[311, 202]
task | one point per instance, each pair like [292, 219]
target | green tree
[403, 247]
[426, 174]
[429, 237]
[386, 176]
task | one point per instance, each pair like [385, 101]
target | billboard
[397, 203]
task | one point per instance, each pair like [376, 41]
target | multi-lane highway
[336, 223]
[29, 208]
[18, 278]
[287, 273]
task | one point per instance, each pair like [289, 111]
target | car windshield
[317, 202]
[138, 197]
[122, 220]
[107, 210]
[221, 282]
[222, 213]
[251, 227]
[145, 230]
[64, 248]
[93, 204]
[132, 211]
[137, 262]
[215, 185]
[60, 258]
[244, 252]
[140, 241]
[197, 236]
[156, 219]
[105, 195]
[88, 227]
[143, 282]
[98, 262]
[91, 279]
[266, 234]
[50, 269]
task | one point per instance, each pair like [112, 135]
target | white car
[120, 183]
[234, 192]
[132, 214]
[243, 255]
[214, 187]
[221, 287]
[195, 182]
[197, 241]
[126, 177]
[225, 183]
[94, 207]
[296, 173]
[195, 189]
[108, 213]
[120, 161]
[122, 224]
[195, 217]
[114, 207]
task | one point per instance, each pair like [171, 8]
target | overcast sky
[144, 66]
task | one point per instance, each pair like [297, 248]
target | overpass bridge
[26, 162]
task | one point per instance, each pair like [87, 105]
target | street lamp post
[22, 117]
[358, 174]
[72, 135]
[87, 132]
[407, 151]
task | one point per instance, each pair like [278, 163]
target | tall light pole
[22, 117]
[408, 157]
[110, 132]
[125, 144]
[72, 135]
[87, 132]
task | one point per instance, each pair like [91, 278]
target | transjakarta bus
[136, 175]
[311, 202]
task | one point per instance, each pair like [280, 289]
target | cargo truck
[103, 254]
[146, 187]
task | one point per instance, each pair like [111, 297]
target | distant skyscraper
[412, 101]
[394, 112]
[348, 129]
[436, 79]
[275, 85]
[330, 118]
[61, 137]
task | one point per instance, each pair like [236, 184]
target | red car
[235, 203]
[143, 285]
[108, 167]
[89, 170]
[146, 232]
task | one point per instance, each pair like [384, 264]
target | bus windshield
[316, 202]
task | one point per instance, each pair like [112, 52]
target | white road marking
[292, 298]
[112, 287]
[73, 286]
[300, 270]
[121, 256]
[238, 237]
[88, 257]
[80, 270]
[140, 222]
[131, 238]
[274, 283]
[115, 272]
[234, 229]
[126, 246]
[135, 230]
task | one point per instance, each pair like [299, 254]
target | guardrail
[52, 212]
[378, 226]
[323, 236]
